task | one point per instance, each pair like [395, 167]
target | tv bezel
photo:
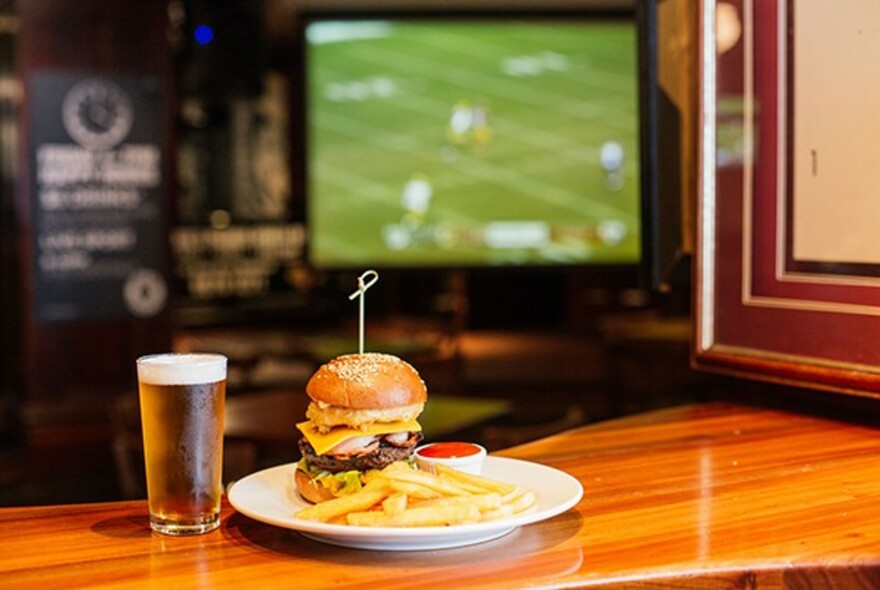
[623, 273]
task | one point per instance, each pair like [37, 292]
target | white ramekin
[468, 463]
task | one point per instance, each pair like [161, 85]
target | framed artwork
[788, 244]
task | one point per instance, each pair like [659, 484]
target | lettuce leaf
[339, 484]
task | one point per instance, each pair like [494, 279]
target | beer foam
[181, 369]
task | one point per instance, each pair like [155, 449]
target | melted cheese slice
[338, 434]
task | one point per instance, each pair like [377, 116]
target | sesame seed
[359, 368]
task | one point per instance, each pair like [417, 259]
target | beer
[182, 399]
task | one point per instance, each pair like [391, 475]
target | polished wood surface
[701, 496]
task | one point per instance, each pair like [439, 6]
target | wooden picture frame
[787, 269]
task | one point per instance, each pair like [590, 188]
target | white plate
[270, 496]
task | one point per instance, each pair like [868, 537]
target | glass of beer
[183, 398]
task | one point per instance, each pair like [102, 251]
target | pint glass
[182, 398]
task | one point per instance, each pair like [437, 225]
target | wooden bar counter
[700, 496]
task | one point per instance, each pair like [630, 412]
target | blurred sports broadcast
[461, 141]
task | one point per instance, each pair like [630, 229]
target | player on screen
[482, 126]
[469, 125]
[611, 158]
[461, 120]
[415, 199]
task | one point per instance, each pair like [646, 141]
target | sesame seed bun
[368, 381]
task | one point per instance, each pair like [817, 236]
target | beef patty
[381, 457]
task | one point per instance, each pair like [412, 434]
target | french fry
[484, 483]
[361, 500]
[514, 505]
[483, 502]
[506, 498]
[437, 512]
[399, 466]
[376, 473]
[414, 490]
[394, 504]
[401, 496]
[421, 516]
[428, 480]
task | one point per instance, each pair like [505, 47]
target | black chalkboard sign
[100, 240]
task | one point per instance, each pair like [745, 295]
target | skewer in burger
[362, 417]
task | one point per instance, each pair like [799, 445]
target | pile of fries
[400, 496]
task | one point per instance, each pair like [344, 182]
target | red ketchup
[449, 450]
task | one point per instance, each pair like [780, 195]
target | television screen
[466, 141]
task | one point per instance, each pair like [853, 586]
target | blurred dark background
[509, 355]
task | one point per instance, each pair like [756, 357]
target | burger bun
[367, 381]
[309, 489]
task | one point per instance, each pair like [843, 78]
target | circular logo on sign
[97, 114]
[145, 293]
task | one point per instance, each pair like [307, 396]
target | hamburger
[362, 416]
